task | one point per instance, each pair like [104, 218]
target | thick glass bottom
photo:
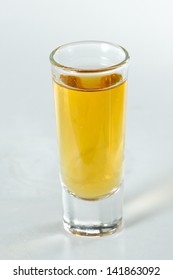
[93, 217]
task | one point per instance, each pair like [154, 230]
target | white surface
[30, 196]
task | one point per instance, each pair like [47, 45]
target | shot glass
[89, 83]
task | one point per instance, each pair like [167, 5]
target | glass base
[93, 217]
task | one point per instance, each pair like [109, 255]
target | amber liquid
[90, 114]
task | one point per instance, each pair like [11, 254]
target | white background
[30, 196]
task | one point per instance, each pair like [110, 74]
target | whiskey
[90, 115]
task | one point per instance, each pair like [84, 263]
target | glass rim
[107, 68]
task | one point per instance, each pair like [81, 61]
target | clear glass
[89, 81]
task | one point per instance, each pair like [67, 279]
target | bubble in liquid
[110, 80]
[71, 81]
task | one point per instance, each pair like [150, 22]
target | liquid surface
[90, 126]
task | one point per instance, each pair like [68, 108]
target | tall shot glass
[89, 81]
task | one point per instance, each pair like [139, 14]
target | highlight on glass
[89, 84]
